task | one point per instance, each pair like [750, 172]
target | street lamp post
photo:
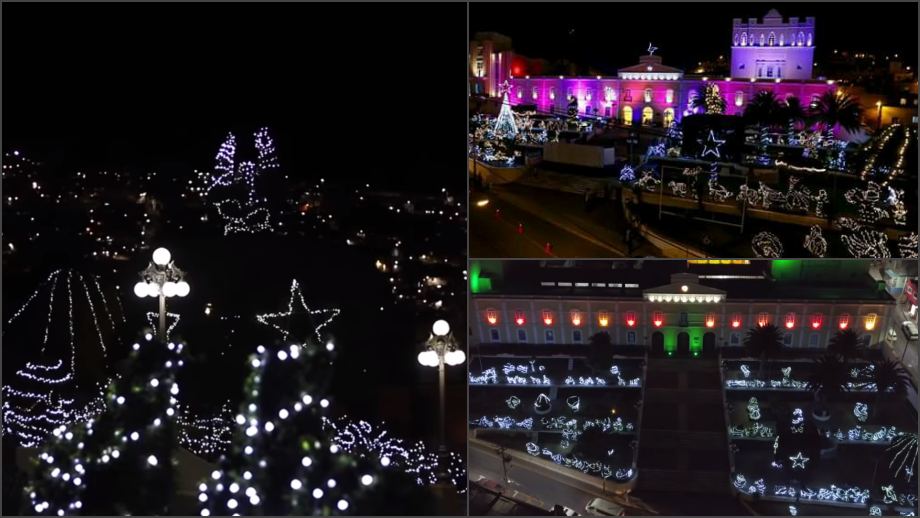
[162, 279]
[878, 122]
[441, 350]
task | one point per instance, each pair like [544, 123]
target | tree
[711, 100]
[827, 380]
[845, 344]
[891, 380]
[836, 110]
[281, 460]
[763, 342]
[600, 351]
[505, 126]
[792, 112]
[763, 110]
[119, 463]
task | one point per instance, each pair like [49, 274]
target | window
[801, 39]
[522, 335]
[589, 93]
[648, 95]
[769, 71]
[683, 319]
[576, 336]
[647, 115]
[491, 316]
[550, 336]
[761, 39]
[734, 339]
[627, 95]
[690, 97]
[609, 94]
[782, 39]
[759, 71]
[495, 335]
[606, 111]
[631, 337]
[739, 98]
[903, 101]
[808, 41]
[736, 39]
[668, 116]
[627, 115]
[771, 40]
[787, 339]
[813, 339]
[743, 39]
[534, 93]
[552, 93]
[779, 72]
[669, 96]
[568, 93]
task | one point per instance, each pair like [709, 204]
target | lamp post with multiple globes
[441, 350]
[162, 279]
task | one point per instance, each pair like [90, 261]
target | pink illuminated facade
[651, 92]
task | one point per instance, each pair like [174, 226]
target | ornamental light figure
[441, 349]
[162, 279]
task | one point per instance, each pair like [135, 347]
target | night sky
[148, 85]
[609, 36]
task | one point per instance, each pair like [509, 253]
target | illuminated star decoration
[651, 49]
[311, 316]
[172, 320]
[798, 461]
[513, 402]
[711, 145]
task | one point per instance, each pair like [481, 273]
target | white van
[601, 507]
[910, 330]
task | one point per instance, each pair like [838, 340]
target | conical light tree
[119, 463]
[504, 125]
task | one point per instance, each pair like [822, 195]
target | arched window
[669, 96]
[808, 41]
[668, 117]
[610, 94]
[736, 39]
[647, 115]
[589, 93]
[690, 97]
[627, 115]
[801, 39]
[761, 39]
[771, 40]
[743, 39]
[534, 93]
[552, 93]
[782, 39]
[648, 95]
[739, 98]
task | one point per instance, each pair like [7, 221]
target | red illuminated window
[603, 318]
[576, 317]
[843, 321]
[492, 316]
[711, 320]
[631, 319]
[763, 319]
[658, 318]
[736, 320]
[817, 320]
[548, 318]
[519, 318]
[790, 320]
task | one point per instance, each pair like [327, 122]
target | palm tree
[828, 379]
[793, 112]
[837, 110]
[891, 378]
[845, 344]
[763, 110]
[763, 342]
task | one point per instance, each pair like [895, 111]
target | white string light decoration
[153, 322]
[867, 202]
[43, 394]
[867, 243]
[766, 244]
[205, 436]
[815, 242]
[908, 246]
[323, 316]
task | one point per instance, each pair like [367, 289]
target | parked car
[910, 330]
[601, 507]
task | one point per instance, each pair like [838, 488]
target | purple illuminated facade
[652, 93]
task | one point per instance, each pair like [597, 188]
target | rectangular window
[522, 335]
[564, 284]
[576, 336]
[734, 339]
[683, 319]
[787, 339]
[545, 283]
[550, 336]
[813, 340]
[599, 284]
[581, 284]
[494, 335]
[631, 337]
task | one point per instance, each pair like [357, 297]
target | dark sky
[613, 35]
[362, 89]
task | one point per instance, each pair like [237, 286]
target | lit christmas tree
[119, 463]
[711, 100]
[505, 126]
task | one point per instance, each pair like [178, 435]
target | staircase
[683, 447]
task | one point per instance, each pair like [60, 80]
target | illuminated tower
[773, 49]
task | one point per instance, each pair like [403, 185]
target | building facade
[683, 316]
[773, 55]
